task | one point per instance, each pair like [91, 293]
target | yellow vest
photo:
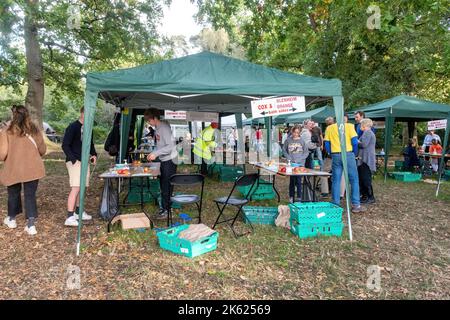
[204, 143]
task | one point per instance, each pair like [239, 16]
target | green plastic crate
[168, 240]
[315, 212]
[314, 230]
[135, 197]
[447, 173]
[399, 164]
[262, 187]
[407, 176]
[260, 215]
[263, 196]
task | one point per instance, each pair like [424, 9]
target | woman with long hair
[23, 166]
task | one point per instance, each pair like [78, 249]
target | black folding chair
[222, 202]
[184, 199]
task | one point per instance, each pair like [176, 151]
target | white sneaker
[291, 200]
[12, 224]
[31, 230]
[72, 221]
[86, 216]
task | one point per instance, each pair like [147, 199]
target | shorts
[75, 174]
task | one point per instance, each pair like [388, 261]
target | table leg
[275, 189]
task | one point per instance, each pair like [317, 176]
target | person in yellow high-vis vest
[205, 142]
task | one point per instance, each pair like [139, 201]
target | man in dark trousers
[166, 152]
[71, 146]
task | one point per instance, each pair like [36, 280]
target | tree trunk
[405, 134]
[34, 100]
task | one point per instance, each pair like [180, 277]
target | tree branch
[66, 48]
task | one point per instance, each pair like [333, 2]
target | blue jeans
[337, 170]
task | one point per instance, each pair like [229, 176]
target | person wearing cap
[166, 152]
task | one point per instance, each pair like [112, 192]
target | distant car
[51, 133]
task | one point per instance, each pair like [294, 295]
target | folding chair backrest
[186, 179]
[247, 180]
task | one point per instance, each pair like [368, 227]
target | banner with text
[202, 116]
[174, 115]
[277, 106]
[437, 124]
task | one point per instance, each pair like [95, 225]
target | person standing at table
[23, 166]
[366, 161]
[333, 147]
[166, 152]
[72, 143]
[427, 142]
[296, 151]
[306, 136]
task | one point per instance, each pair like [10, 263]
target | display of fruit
[147, 170]
[298, 170]
[270, 163]
[282, 169]
[123, 171]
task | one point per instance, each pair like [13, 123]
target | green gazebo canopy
[205, 82]
[405, 108]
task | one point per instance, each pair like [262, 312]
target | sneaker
[86, 217]
[291, 200]
[31, 230]
[162, 214]
[369, 201]
[358, 209]
[71, 221]
[12, 224]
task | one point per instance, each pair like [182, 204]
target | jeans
[365, 181]
[337, 169]
[293, 182]
[15, 202]
[168, 168]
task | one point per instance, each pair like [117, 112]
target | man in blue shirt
[359, 115]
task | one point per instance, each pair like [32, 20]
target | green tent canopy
[206, 82]
[405, 108]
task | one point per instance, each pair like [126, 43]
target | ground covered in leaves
[406, 233]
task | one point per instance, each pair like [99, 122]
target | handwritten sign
[437, 124]
[174, 115]
[277, 106]
[202, 116]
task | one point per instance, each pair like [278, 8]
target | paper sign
[277, 106]
[202, 116]
[174, 115]
[379, 124]
[437, 124]
[320, 215]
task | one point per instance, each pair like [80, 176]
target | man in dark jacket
[71, 146]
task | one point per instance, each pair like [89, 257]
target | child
[435, 148]
[295, 150]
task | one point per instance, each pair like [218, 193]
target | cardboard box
[133, 221]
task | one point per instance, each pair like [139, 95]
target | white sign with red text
[277, 106]
[437, 124]
[174, 115]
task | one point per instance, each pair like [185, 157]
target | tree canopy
[409, 52]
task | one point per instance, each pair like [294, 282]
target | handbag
[3, 145]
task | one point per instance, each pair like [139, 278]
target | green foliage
[109, 35]
[408, 54]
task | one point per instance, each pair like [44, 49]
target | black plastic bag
[109, 204]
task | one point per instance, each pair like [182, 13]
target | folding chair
[183, 199]
[222, 202]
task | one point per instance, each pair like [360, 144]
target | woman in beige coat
[23, 165]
